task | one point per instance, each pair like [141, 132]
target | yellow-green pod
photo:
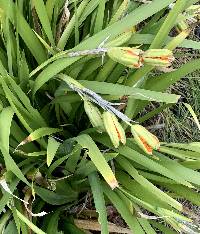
[94, 116]
[145, 140]
[114, 129]
[158, 57]
[129, 57]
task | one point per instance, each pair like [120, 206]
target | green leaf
[42, 14]
[50, 4]
[16, 220]
[146, 226]
[148, 185]
[193, 146]
[105, 70]
[46, 45]
[168, 215]
[16, 106]
[52, 197]
[89, 167]
[185, 192]
[99, 161]
[39, 133]
[51, 71]
[29, 223]
[168, 24]
[26, 101]
[100, 16]
[23, 71]
[99, 201]
[73, 159]
[121, 90]
[178, 169]
[182, 154]
[51, 150]
[139, 38]
[129, 218]
[163, 228]
[192, 164]
[72, 228]
[57, 163]
[2, 69]
[146, 198]
[121, 11]
[153, 113]
[8, 46]
[52, 227]
[6, 117]
[11, 228]
[5, 123]
[4, 219]
[68, 30]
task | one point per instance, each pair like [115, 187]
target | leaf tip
[113, 183]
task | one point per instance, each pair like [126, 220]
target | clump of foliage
[74, 77]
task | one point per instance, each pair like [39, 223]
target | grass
[179, 125]
[175, 124]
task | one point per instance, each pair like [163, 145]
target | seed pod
[114, 129]
[94, 115]
[158, 57]
[129, 57]
[145, 140]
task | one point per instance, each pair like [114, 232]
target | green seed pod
[114, 129]
[158, 57]
[129, 57]
[94, 116]
[145, 140]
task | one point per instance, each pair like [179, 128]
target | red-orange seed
[119, 136]
[146, 145]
